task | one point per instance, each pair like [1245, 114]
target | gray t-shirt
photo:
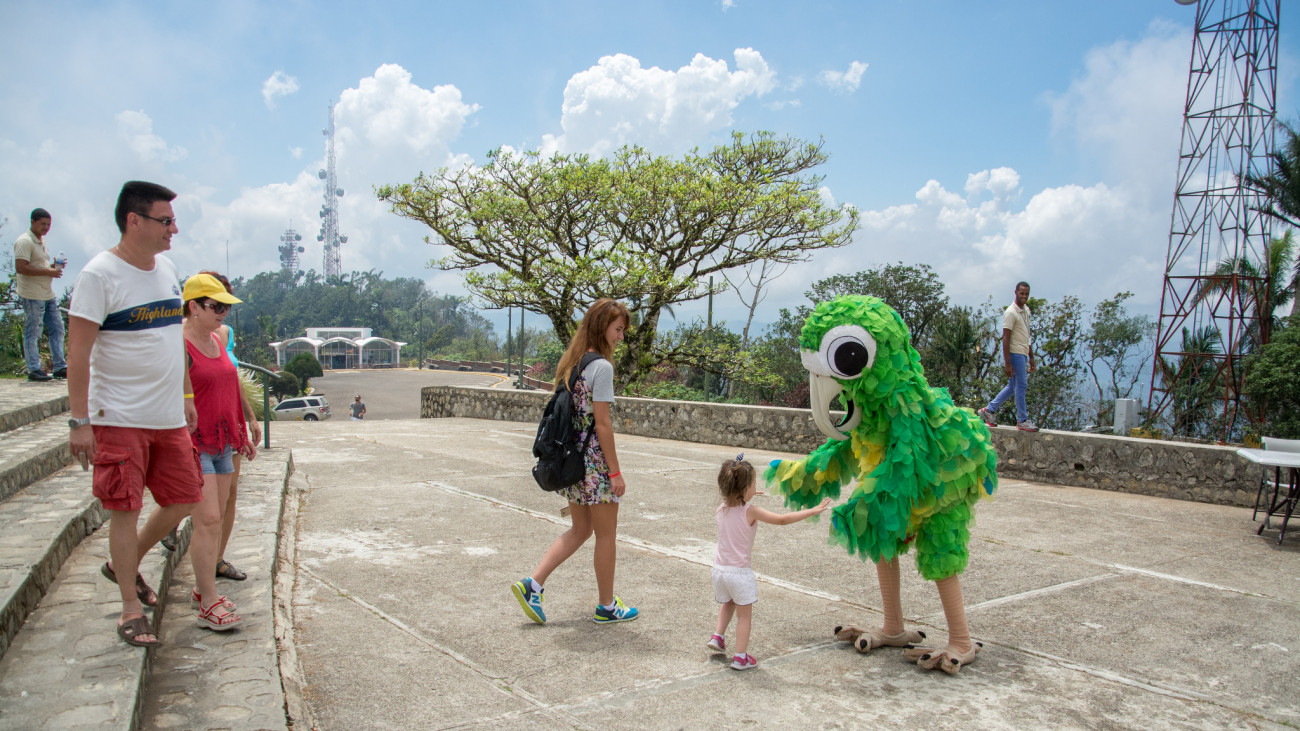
[600, 379]
[357, 408]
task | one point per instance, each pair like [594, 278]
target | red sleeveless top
[218, 399]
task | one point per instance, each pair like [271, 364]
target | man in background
[35, 290]
[1018, 354]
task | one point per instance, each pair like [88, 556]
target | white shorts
[734, 584]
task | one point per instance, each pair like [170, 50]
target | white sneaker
[1026, 426]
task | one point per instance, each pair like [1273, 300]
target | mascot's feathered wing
[921, 464]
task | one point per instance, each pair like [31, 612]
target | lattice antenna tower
[330, 238]
[1215, 280]
[289, 249]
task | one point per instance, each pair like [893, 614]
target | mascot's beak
[822, 392]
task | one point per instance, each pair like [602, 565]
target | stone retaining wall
[1202, 473]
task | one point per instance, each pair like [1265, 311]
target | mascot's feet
[866, 640]
[948, 660]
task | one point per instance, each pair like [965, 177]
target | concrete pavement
[1097, 609]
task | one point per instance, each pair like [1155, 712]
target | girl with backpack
[593, 502]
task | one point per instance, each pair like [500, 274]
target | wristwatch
[75, 423]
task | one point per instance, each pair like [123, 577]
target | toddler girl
[734, 585]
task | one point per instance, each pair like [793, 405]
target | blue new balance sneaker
[620, 613]
[530, 600]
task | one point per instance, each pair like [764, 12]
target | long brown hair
[591, 335]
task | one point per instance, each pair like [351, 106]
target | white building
[341, 347]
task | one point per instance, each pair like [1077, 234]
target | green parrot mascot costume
[921, 464]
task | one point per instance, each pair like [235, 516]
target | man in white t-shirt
[129, 388]
[1018, 354]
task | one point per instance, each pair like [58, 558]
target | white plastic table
[1279, 461]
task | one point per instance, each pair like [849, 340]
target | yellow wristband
[189, 395]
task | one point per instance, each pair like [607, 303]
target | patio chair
[1273, 444]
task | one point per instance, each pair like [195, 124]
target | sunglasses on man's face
[216, 307]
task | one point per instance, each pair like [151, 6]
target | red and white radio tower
[1212, 311]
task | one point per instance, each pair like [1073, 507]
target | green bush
[285, 385]
[1272, 382]
[304, 367]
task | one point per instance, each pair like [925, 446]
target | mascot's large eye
[848, 350]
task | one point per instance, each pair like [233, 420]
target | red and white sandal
[196, 601]
[218, 618]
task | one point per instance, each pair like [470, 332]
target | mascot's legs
[960, 650]
[892, 634]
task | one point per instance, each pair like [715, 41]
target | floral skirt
[594, 488]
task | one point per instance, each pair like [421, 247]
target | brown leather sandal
[133, 628]
[142, 590]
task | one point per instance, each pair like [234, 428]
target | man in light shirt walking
[1018, 354]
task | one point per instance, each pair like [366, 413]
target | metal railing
[267, 375]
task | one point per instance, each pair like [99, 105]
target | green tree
[304, 367]
[1197, 383]
[285, 385]
[554, 235]
[1116, 352]
[1281, 188]
[914, 291]
[1053, 396]
[1266, 285]
[1272, 383]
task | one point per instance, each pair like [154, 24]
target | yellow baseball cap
[206, 285]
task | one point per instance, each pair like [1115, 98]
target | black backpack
[560, 460]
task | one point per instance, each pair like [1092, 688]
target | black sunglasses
[169, 220]
[216, 307]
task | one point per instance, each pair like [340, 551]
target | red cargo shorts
[128, 459]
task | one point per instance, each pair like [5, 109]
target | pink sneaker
[717, 643]
[743, 661]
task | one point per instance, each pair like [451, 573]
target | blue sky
[994, 141]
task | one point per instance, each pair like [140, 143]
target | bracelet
[189, 395]
[616, 474]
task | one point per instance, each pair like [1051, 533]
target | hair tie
[740, 457]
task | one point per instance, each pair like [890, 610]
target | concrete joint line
[637, 542]
[1191, 582]
[296, 709]
[1093, 510]
[496, 682]
[1040, 591]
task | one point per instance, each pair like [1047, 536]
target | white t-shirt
[599, 375]
[137, 365]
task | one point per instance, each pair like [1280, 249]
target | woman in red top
[221, 432]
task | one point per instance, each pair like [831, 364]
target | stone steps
[61, 663]
[32, 451]
[42, 525]
[66, 667]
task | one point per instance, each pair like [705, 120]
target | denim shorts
[218, 464]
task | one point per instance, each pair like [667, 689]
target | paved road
[390, 394]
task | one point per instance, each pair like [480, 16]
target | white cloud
[387, 130]
[1088, 241]
[296, 152]
[279, 84]
[136, 128]
[843, 81]
[728, 5]
[617, 102]
[1125, 110]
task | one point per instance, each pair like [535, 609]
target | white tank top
[735, 536]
